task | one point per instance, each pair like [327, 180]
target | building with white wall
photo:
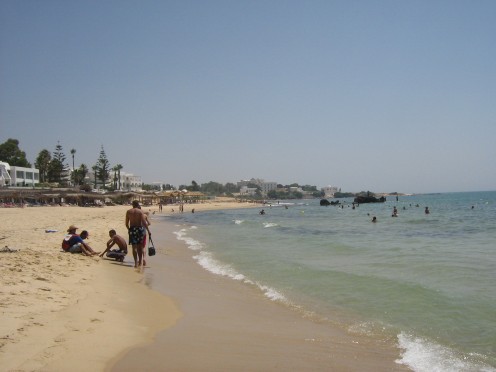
[18, 176]
[130, 182]
[329, 191]
[265, 187]
[248, 191]
[4, 174]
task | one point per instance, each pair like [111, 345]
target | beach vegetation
[193, 187]
[79, 175]
[42, 163]
[102, 169]
[11, 153]
[284, 193]
[58, 170]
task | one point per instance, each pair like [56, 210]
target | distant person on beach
[427, 211]
[118, 254]
[148, 223]
[137, 227]
[374, 219]
[262, 212]
[395, 212]
[74, 243]
[160, 207]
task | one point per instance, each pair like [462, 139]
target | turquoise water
[425, 281]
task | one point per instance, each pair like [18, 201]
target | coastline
[81, 313]
[62, 311]
[228, 325]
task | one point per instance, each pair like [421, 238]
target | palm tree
[118, 167]
[115, 177]
[94, 171]
[73, 152]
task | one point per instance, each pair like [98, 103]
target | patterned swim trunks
[136, 234]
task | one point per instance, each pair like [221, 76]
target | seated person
[118, 254]
[77, 245]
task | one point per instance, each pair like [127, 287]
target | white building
[329, 191]
[130, 182]
[249, 191]
[18, 176]
[265, 187]
[4, 174]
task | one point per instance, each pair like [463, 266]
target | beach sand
[63, 311]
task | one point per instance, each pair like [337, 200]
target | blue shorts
[136, 235]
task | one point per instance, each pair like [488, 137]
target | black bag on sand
[151, 248]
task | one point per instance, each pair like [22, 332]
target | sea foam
[423, 355]
[206, 260]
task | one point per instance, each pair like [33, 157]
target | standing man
[137, 228]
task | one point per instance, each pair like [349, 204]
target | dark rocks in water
[369, 199]
[325, 202]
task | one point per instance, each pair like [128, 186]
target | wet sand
[229, 325]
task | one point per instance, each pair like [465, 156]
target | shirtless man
[118, 240]
[137, 227]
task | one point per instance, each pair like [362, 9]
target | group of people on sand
[137, 224]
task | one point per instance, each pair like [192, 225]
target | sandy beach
[63, 311]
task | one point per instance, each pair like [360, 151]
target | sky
[379, 95]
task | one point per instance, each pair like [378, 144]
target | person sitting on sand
[77, 245]
[118, 254]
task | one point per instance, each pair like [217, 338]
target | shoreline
[81, 313]
[229, 325]
[64, 311]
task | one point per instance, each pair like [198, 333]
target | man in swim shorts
[137, 228]
[118, 240]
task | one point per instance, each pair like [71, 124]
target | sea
[425, 281]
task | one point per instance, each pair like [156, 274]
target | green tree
[212, 188]
[57, 170]
[103, 168]
[73, 152]
[80, 174]
[95, 168]
[114, 178]
[194, 186]
[12, 154]
[119, 167]
[43, 163]
[230, 188]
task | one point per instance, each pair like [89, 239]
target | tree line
[54, 168]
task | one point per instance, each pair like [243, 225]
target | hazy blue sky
[364, 95]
